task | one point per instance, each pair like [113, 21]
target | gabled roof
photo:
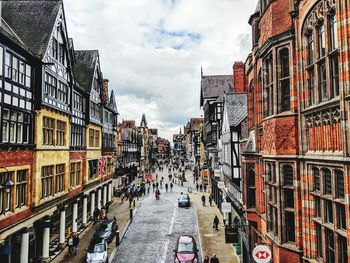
[236, 107]
[32, 21]
[84, 68]
[195, 124]
[143, 121]
[215, 87]
[112, 104]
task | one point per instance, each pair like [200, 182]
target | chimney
[239, 85]
[105, 92]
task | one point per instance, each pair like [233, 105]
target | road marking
[169, 233]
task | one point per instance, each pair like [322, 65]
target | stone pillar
[104, 194]
[62, 227]
[75, 217]
[25, 247]
[110, 192]
[46, 240]
[92, 203]
[99, 198]
[84, 210]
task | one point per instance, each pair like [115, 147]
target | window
[47, 174]
[5, 198]
[72, 175]
[322, 79]
[333, 32]
[59, 178]
[290, 226]
[310, 48]
[330, 246]
[77, 102]
[319, 240]
[77, 138]
[21, 188]
[93, 169]
[342, 247]
[321, 41]
[251, 189]
[54, 48]
[268, 86]
[75, 174]
[50, 85]
[316, 175]
[78, 173]
[339, 179]
[60, 133]
[94, 110]
[317, 207]
[271, 187]
[62, 54]
[329, 211]
[62, 92]
[341, 217]
[48, 131]
[288, 175]
[15, 126]
[334, 74]
[284, 80]
[327, 181]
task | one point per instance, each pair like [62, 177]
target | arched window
[327, 182]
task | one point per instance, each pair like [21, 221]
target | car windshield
[100, 247]
[183, 197]
[185, 248]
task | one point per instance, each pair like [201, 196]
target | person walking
[166, 187]
[210, 200]
[206, 259]
[76, 241]
[216, 222]
[171, 186]
[203, 200]
[201, 188]
[197, 186]
[205, 188]
[214, 259]
[70, 244]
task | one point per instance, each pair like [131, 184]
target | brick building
[295, 163]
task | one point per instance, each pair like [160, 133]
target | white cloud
[152, 50]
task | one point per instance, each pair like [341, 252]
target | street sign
[262, 254]
[226, 207]
[231, 234]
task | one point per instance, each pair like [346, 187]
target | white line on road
[169, 233]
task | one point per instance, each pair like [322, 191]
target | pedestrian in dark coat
[205, 188]
[203, 200]
[216, 223]
[214, 259]
[201, 187]
[76, 241]
[171, 186]
[197, 186]
[206, 259]
[210, 200]
[70, 244]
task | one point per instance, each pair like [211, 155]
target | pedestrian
[203, 200]
[205, 188]
[76, 241]
[148, 188]
[96, 214]
[210, 200]
[214, 259]
[216, 222]
[171, 186]
[101, 215]
[166, 187]
[154, 186]
[197, 186]
[201, 188]
[206, 259]
[70, 244]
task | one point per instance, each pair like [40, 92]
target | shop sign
[231, 234]
[226, 207]
[262, 254]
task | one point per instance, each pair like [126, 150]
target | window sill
[329, 103]
[50, 198]
[21, 209]
[6, 215]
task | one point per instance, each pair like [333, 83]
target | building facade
[295, 161]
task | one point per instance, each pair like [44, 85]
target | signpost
[226, 207]
[262, 254]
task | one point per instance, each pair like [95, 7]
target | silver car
[97, 251]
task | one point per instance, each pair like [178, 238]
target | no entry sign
[262, 254]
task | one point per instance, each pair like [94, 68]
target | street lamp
[8, 184]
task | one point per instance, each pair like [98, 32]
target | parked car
[186, 250]
[97, 251]
[107, 230]
[184, 201]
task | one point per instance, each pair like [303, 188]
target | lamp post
[8, 184]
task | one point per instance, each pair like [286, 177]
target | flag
[102, 165]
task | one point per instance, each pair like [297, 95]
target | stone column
[110, 195]
[92, 203]
[99, 198]
[75, 217]
[104, 194]
[46, 240]
[62, 226]
[84, 210]
[25, 246]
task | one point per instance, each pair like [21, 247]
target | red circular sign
[262, 254]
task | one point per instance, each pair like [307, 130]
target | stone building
[295, 164]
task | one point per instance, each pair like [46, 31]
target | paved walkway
[212, 241]
[118, 209]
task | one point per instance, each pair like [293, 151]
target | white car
[97, 251]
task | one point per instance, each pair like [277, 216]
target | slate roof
[85, 61]
[112, 104]
[215, 86]
[195, 123]
[236, 105]
[143, 121]
[32, 22]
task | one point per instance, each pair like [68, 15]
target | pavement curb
[198, 230]
[110, 258]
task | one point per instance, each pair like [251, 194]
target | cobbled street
[157, 224]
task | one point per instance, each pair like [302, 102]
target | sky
[152, 51]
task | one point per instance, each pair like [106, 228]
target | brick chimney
[239, 80]
[105, 92]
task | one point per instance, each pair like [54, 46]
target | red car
[186, 250]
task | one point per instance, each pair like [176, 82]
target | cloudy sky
[152, 51]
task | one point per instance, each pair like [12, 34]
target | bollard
[134, 203]
[117, 241]
[130, 214]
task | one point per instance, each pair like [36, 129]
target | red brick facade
[297, 149]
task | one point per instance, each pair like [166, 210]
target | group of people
[100, 214]
[210, 199]
[213, 259]
[201, 187]
[73, 244]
